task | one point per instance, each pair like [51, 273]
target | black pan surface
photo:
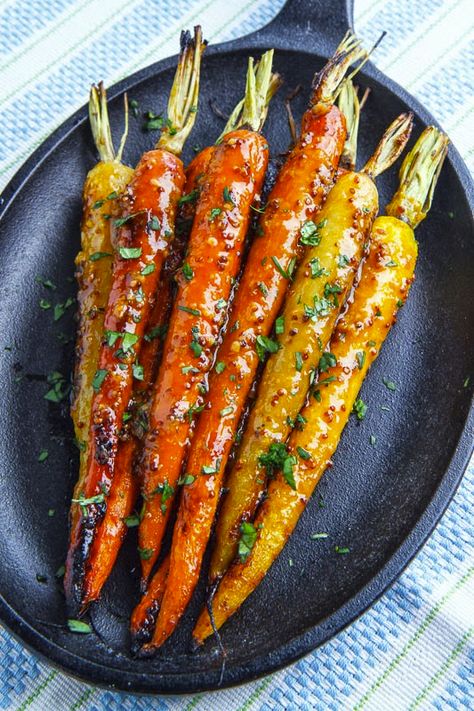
[381, 501]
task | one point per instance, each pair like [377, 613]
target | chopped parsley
[331, 290]
[264, 345]
[154, 223]
[341, 550]
[227, 195]
[389, 384]
[60, 309]
[98, 379]
[133, 104]
[137, 371]
[190, 197]
[247, 540]
[79, 627]
[359, 409]
[298, 361]
[188, 310]
[128, 341]
[59, 388]
[298, 423]
[166, 492]
[220, 366]
[321, 308]
[286, 274]
[156, 332]
[316, 269]
[99, 255]
[149, 269]
[327, 360]
[212, 469]
[360, 357]
[309, 233]
[123, 220]
[215, 212]
[43, 455]
[195, 346]
[145, 553]
[280, 325]
[130, 252]
[343, 260]
[277, 458]
[185, 369]
[186, 480]
[303, 453]
[263, 288]
[194, 410]
[187, 272]
[132, 521]
[45, 282]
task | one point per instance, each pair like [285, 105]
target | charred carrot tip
[327, 83]
[183, 100]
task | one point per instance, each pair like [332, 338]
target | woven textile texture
[414, 648]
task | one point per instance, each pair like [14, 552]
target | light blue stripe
[20, 20]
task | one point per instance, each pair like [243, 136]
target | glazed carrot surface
[296, 196]
[112, 529]
[145, 228]
[228, 314]
[103, 186]
[334, 249]
[233, 179]
[382, 289]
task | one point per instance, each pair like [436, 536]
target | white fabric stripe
[46, 34]
[79, 32]
[430, 650]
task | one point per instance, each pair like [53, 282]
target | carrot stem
[183, 100]
[418, 177]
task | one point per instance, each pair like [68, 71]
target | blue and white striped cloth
[413, 649]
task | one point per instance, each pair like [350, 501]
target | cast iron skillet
[381, 501]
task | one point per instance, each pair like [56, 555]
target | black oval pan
[381, 501]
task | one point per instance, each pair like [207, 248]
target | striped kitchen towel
[413, 649]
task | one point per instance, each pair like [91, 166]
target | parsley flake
[264, 345]
[130, 252]
[247, 540]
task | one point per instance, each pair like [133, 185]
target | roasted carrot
[320, 287]
[103, 185]
[229, 385]
[145, 229]
[232, 182]
[122, 498]
[385, 280]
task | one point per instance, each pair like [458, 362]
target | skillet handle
[312, 24]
